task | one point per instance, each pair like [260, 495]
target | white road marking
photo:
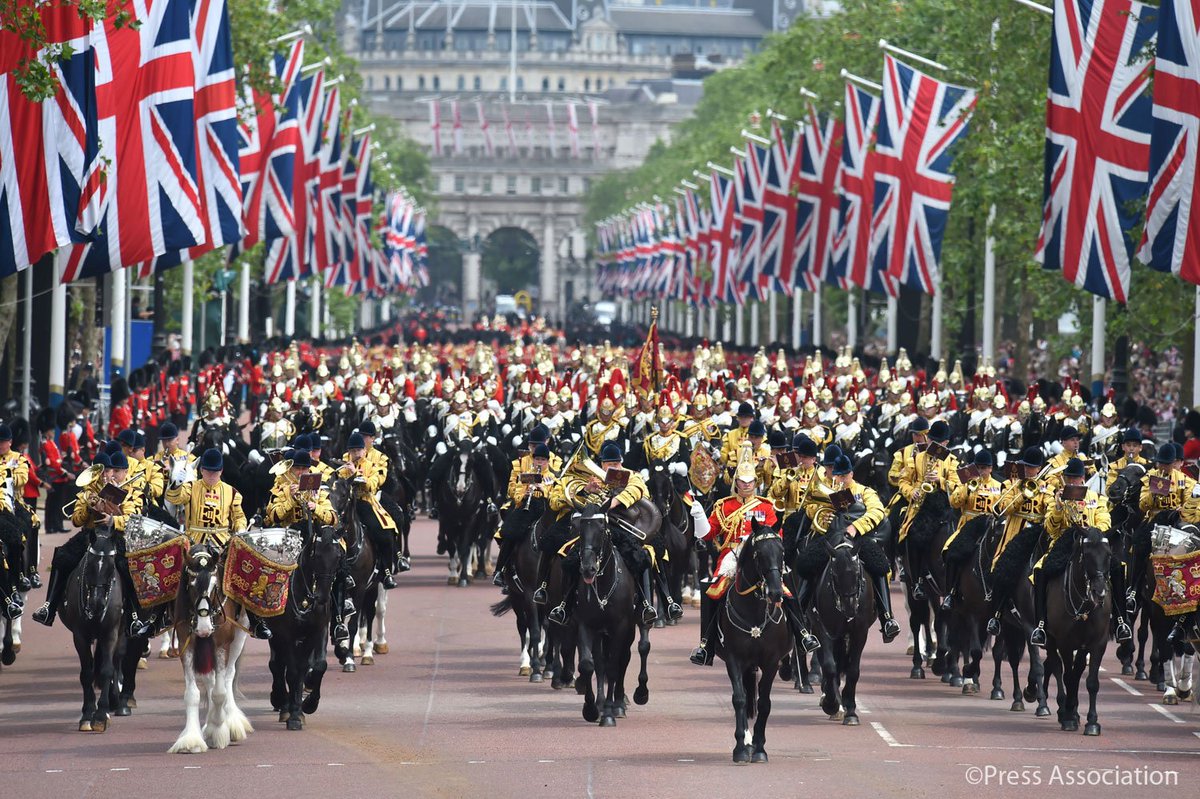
[437, 665]
[264, 765]
[887, 737]
[124, 768]
[335, 764]
[685, 760]
[408, 762]
[545, 761]
[1167, 713]
[187, 767]
[1122, 684]
[54, 771]
[475, 762]
[1197, 734]
[860, 707]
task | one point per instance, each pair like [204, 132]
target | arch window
[420, 81]
[562, 84]
[545, 84]
[387, 82]
[437, 82]
[478, 83]
[462, 82]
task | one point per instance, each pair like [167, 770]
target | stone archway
[510, 261]
[445, 268]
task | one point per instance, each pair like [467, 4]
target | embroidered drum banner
[1177, 582]
[254, 581]
[158, 570]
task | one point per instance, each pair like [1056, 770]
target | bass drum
[142, 532]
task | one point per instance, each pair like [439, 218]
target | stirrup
[1038, 636]
[403, 564]
[1124, 632]
[558, 614]
[340, 631]
[918, 590]
[700, 656]
[947, 602]
[348, 608]
[539, 595]
[43, 615]
[498, 578]
[1176, 633]
[889, 629]
[674, 610]
[140, 629]
[808, 641]
[1131, 602]
[387, 581]
[649, 614]
[993, 625]
[261, 631]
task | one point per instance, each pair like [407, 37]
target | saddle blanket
[1177, 582]
[254, 581]
[158, 570]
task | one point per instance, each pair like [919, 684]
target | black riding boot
[1135, 579]
[502, 558]
[543, 577]
[702, 655]
[385, 561]
[433, 514]
[649, 614]
[257, 627]
[138, 628]
[883, 606]
[1000, 602]
[562, 611]
[1038, 636]
[952, 570]
[917, 562]
[1123, 631]
[54, 591]
[674, 609]
[795, 617]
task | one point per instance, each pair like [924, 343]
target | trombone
[89, 477]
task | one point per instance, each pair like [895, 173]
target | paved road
[445, 714]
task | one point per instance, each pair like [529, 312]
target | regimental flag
[1098, 119]
[646, 377]
[435, 126]
[289, 256]
[484, 129]
[1171, 237]
[145, 95]
[856, 187]
[920, 120]
[817, 197]
[50, 177]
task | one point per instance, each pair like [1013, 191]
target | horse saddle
[642, 520]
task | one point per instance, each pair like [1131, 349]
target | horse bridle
[602, 563]
[88, 612]
[839, 599]
[211, 598]
[757, 590]
[1084, 608]
[306, 604]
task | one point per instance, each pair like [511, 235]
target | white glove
[517, 442]
[1196, 491]
[255, 457]
[491, 440]
[506, 429]
[441, 448]
[678, 469]
[728, 567]
[701, 521]
[410, 415]
[432, 431]
[645, 475]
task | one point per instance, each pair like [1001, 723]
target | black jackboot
[562, 611]
[795, 617]
[702, 655]
[952, 570]
[674, 609]
[883, 606]
[54, 591]
[1038, 636]
[543, 578]
[649, 614]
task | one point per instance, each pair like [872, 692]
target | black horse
[666, 493]
[844, 609]
[1078, 607]
[359, 564]
[932, 525]
[752, 635]
[461, 501]
[92, 611]
[606, 619]
[300, 633]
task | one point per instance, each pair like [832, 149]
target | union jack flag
[723, 241]
[751, 212]
[48, 150]
[920, 121]
[328, 236]
[348, 272]
[288, 256]
[1171, 238]
[783, 176]
[1097, 141]
[817, 195]
[145, 95]
[856, 186]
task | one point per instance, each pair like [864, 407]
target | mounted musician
[1022, 503]
[529, 484]
[93, 510]
[928, 473]
[152, 483]
[1131, 453]
[1070, 439]
[582, 484]
[790, 485]
[904, 463]
[1085, 508]
[371, 465]
[974, 497]
[731, 447]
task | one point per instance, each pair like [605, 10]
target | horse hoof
[1092, 729]
[1017, 706]
[850, 721]
[591, 713]
[357, 651]
[142, 664]
[462, 583]
[557, 684]
[1126, 670]
[1042, 712]
[805, 688]
[349, 668]
[1141, 675]
[524, 671]
[695, 601]
[1071, 726]
[283, 716]
[996, 695]
[829, 706]
[16, 648]
[917, 673]
[131, 702]
[620, 714]
[99, 726]
[641, 695]
[741, 755]
[381, 649]
[85, 725]
[1185, 696]
[910, 650]
[368, 660]
[1029, 694]
[951, 680]
[310, 705]
[164, 654]
[967, 689]
[451, 580]
[758, 757]
[295, 724]
[1161, 687]
[123, 711]
[536, 677]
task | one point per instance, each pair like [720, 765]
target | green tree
[510, 258]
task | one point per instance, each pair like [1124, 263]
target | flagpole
[187, 312]
[816, 334]
[935, 331]
[1099, 307]
[754, 337]
[712, 321]
[797, 316]
[772, 317]
[58, 335]
[27, 347]
[116, 321]
[851, 319]
[244, 304]
[893, 331]
[739, 333]
[315, 309]
[289, 310]
[989, 290]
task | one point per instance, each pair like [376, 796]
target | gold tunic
[287, 508]
[874, 511]
[374, 468]
[212, 514]
[518, 491]
[1179, 492]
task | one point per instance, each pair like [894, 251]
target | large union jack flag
[723, 241]
[920, 120]
[145, 94]
[751, 211]
[289, 256]
[47, 150]
[856, 186]
[1171, 238]
[1097, 141]
[779, 192]
[816, 220]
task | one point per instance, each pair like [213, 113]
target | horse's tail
[502, 607]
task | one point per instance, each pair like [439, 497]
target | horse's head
[200, 599]
[462, 471]
[662, 490]
[760, 561]
[845, 567]
[1094, 557]
[322, 552]
[1126, 486]
[591, 525]
[97, 574]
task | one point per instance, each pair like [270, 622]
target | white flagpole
[851, 319]
[989, 290]
[117, 322]
[27, 347]
[1099, 307]
[816, 334]
[797, 316]
[935, 332]
[893, 330]
[772, 317]
[244, 305]
[712, 322]
[189, 307]
[739, 334]
[289, 310]
[314, 321]
[754, 337]
[58, 333]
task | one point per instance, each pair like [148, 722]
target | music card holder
[616, 479]
[1074, 493]
[1159, 486]
[530, 478]
[840, 500]
[936, 451]
[1012, 471]
[276, 455]
[968, 473]
[788, 460]
[310, 481]
[114, 495]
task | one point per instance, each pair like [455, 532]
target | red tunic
[68, 446]
[121, 418]
[52, 460]
[729, 525]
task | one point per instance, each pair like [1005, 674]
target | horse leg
[316, 675]
[1142, 634]
[998, 653]
[235, 720]
[918, 613]
[191, 740]
[741, 752]
[87, 681]
[850, 669]
[831, 702]
[1183, 685]
[1169, 695]
[216, 731]
[765, 681]
[1038, 670]
[641, 694]
[537, 663]
[380, 644]
[1093, 686]
[278, 680]
[587, 669]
